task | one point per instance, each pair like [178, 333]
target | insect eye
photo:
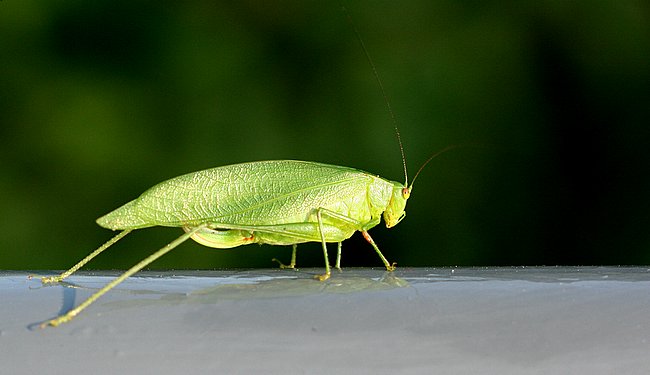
[406, 192]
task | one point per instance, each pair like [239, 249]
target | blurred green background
[549, 99]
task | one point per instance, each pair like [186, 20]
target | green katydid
[281, 202]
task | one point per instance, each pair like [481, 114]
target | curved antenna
[429, 159]
[383, 92]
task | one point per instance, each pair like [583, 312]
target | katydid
[277, 202]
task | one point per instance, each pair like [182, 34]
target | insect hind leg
[143, 263]
[81, 263]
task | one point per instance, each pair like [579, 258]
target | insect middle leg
[291, 265]
[338, 256]
[327, 273]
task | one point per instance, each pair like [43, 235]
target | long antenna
[428, 160]
[383, 92]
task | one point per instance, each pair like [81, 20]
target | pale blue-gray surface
[436, 320]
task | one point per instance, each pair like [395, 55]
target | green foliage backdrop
[100, 100]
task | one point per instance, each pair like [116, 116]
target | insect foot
[51, 279]
[284, 266]
[323, 277]
[291, 265]
[57, 321]
[46, 279]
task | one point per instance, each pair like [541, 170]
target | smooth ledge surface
[421, 320]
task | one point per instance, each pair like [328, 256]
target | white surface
[487, 321]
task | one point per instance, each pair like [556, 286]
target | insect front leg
[366, 235]
[345, 220]
[390, 267]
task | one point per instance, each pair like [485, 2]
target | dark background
[549, 100]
